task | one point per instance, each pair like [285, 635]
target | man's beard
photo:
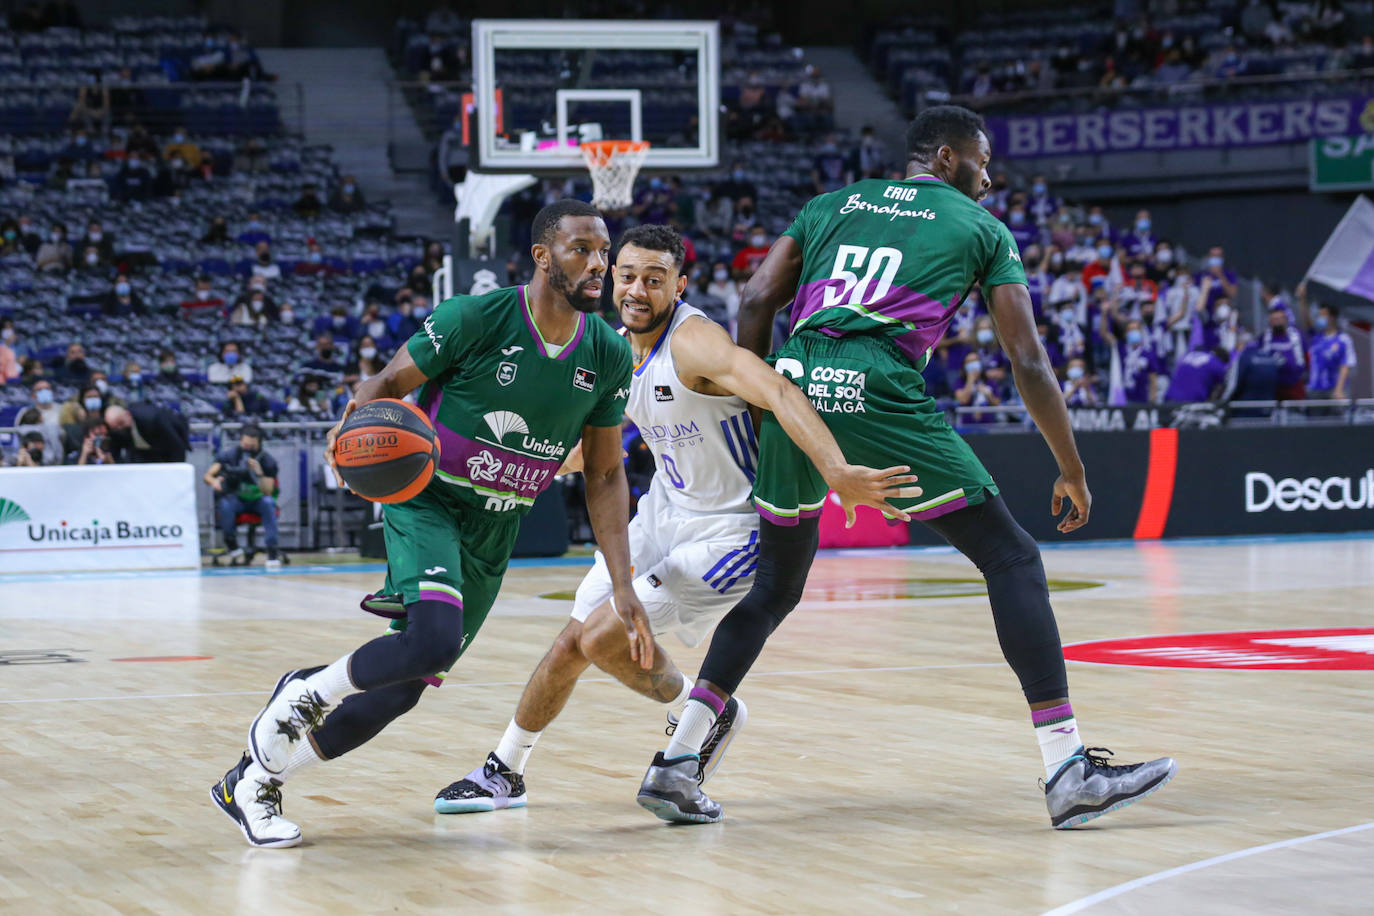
[559, 283]
[965, 179]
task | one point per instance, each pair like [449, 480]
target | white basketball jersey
[704, 446]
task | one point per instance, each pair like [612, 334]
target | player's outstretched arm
[608, 507]
[771, 287]
[1014, 322]
[702, 349]
[400, 377]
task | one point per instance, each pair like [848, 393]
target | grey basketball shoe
[1087, 786]
[671, 791]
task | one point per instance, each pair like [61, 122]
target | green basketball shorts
[875, 404]
[441, 549]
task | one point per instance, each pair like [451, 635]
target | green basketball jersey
[895, 258]
[506, 409]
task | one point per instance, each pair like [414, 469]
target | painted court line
[1078, 906]
[585, 680]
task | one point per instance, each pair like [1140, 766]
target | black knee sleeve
[785, 555]
[430, 643]
[1009, 560]
[359, 718]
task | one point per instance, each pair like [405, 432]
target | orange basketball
[387, 451]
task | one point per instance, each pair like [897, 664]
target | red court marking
[1159, 484]
[166, 658]
[1340, 649]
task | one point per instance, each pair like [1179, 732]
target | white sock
[684, 694]
[1057, 731]
[332, 684]
[516, 744]
[303, 756]
[691, 730]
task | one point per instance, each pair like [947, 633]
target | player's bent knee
[603, 637]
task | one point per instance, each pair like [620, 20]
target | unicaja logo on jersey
[11, 511]
[501, 422]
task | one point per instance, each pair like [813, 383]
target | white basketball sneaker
[253, 800]
[293, 712]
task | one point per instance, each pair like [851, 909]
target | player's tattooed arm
[608, 507]
[400, 377]
[702, 349]
[1014, 322]
[771, 287]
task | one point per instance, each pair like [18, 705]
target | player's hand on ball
[856, 485]
[637, 628]
[332, 436]
[1077, 492]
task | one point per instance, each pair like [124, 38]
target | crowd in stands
[1168, 43]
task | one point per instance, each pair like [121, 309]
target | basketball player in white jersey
[693, 543]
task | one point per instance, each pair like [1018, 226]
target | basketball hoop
[614, 165]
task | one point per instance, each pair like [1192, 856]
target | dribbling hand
[1077, 492]
[331, 436]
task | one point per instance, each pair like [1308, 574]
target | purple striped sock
[709, 698]
[1052, 715]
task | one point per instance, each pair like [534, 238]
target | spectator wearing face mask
[1041, 205]
[1101, 266]
[94, 446]
[181, 145]
[990, 356]
[830, 170]
[348, 197]
[1140, 366]
[724, 287]
[1100, 228]
[1140, 242]
[86, 400]
[974, 390]
[122, 300]
[1331, 351]
[74, 369]
[326, 357]
[147, 433]
[231, 364]
[340, 325]
[748, 259]
[218, 233]
[10, 367]
[314, 263]
[263, 265]
[101, 239]
[402, 323]
[254, 308]
[308, 205]
[55, 255]
[372, 324]
[1160, 263]
[204, 297]
[1078, 386]
[168, 372]
[33, 451]
[1216, 280]
[136, 180]
[367, 363]
[1200, 375]
[254, 231]
[1038, 276]
[91, 264]
[1022, 228]
[1286, 341]
[311, 400]
[134, 379]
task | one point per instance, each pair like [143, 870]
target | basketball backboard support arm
[478, 199]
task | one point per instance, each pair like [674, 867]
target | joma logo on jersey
[584, 379]
[505, 373]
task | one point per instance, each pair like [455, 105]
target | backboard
[543, 86]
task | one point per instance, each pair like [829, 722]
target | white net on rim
[614, 165]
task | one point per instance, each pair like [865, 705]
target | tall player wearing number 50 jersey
[875, 273]
[694, 541]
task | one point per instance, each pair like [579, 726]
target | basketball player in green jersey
[875, 273]
[511, 379]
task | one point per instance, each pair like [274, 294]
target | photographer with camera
[244, 478]
[95, 444]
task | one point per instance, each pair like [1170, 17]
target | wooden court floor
[888, 765]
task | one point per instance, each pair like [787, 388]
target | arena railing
[1210, 89]
[420, 116]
